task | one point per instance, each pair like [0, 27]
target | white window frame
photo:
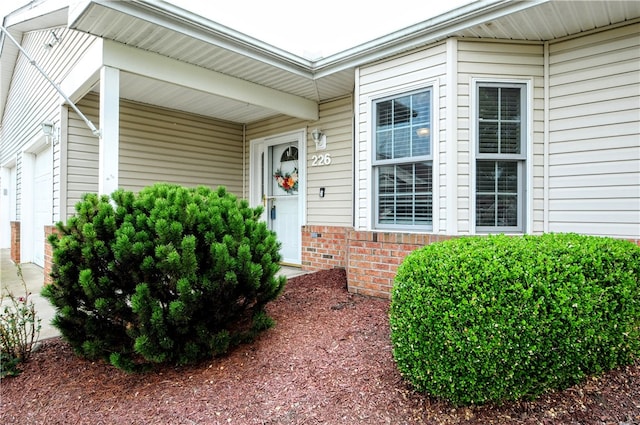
[432, 157]
[525, 160]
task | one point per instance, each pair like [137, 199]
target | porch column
[109, 130]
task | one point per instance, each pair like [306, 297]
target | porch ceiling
[161, 93]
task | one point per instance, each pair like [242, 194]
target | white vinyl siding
[594, 176]
[415, 71]
[156, 145]
[501, 62]
[160, 145]
[336, 208]
[336, 121]
[81, 159]
[32, 100]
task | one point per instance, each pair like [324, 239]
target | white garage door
[42, 203]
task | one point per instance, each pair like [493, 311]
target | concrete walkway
[31, 283]
[33, 279]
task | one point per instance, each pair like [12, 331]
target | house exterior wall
[32, 100]
[400, 74]
[594, 134]
[593, 102]
[156, 145]
[329, 218]
[373, 255]
[336, 121]
[501, 61]
[165, 145]
[80, 155]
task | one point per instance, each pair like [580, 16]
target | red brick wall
[374, 257]
[323, 247]
[371, 259]
[48, 253]
[15, 241]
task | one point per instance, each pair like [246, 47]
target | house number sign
[320, 160]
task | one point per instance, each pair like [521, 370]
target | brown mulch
[328, 360]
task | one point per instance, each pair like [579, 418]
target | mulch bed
[327, 361]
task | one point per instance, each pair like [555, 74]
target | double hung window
[403, 161]
[500, 157]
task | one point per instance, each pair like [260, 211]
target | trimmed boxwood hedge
[496, 318]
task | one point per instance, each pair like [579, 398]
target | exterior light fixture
[320, 139]
[49, 131]
[47, 128]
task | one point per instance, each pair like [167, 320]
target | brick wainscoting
[48, 253]
[324, 247]
[15, 241]
[371, 259]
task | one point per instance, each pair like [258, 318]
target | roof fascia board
[47, 14]
[163, 68]
[429, 31]
[172, 17]
[237, 38]
[175, 18]
[8, 59]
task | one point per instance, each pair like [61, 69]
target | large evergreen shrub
[169, 275]
[497, 318]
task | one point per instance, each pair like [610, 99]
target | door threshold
[299, 266]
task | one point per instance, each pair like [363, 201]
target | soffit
[165, 29]
[555, 19]
[193, 40]
[189, 42]
[161, 93]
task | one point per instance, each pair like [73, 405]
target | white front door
[280, 189]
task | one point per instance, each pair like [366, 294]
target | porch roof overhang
[242, 79]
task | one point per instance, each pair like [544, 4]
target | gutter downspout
[93, 128]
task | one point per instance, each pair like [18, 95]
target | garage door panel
[42, 203]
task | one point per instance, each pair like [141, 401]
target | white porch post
[109, 130]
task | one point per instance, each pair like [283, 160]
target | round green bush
[497, 318]
[170, 275]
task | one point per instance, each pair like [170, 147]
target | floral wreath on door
[288, 181]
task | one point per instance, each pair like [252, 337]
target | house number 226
[318, 160]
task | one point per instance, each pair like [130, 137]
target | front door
[279, 188]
